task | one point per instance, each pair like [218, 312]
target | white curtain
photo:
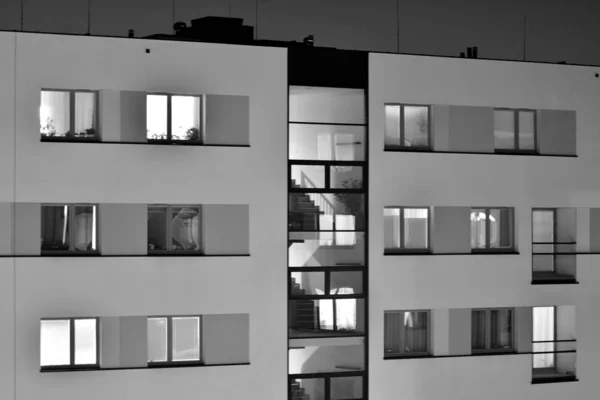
[84, 112]
[85, 229]
[391, 222]
[184, 229]
[54, 113]
[543, 330]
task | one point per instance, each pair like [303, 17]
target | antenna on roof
[173, 16]
[89, 31]
[398, 23]
[525, 38]
[256, 30]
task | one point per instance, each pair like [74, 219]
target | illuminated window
[407, 126]
[492, 229]
[69, 342]
[174, 229]
[515, 130]
[174, 118]
[70, 228]
[406, 229]
[68, 114]
[174, 339]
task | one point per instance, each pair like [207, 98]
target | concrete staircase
[305, 313]
[304, 214]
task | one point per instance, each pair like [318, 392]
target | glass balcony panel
[321, 355]
[308, 176]
[346, 282]
[308, 389]
[327, 105]
[327, 317]
[307, 283]
[316, 249]
[326, 142]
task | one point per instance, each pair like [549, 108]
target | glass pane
[391, 226]
[185, 228]
[544, 331]
[346, 388]
[326, 211]
[327, 317]
[526, 130]
[327, 105]
[326, 142]
[157, 228]
[85, 114]
[185, 118]
[308, 389]
[84, 228]
[346, 177]
[416, 126]
[55, 343]
[156, 116]
[478, 330]
[317, 249]
[543, 226]
[392, 126]
[501, 228]
[504, 129]
[157, 339]
[55, 113]
[307, 283]
[309, 356]
[85, 341]
[478, 228]
[501, 329]
[186, 339]
[308, 176]
[346, 282]
[55, 228]
[416, 332]
[392, 322]
[415, 228]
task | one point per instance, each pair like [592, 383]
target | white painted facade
[31, 171]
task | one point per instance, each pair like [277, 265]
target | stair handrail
[320, 200]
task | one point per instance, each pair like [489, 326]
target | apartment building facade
[443, 223]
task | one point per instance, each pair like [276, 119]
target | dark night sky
[557, 30]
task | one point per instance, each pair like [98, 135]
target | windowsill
[415, 149]
[494, 251]
[429, 253]
[160, 366]
[429, 150]
[74, 255]
[68, 253]
[554, 379]
[555, 282]
[73, 139]
[406, 357]
[150, 142]
[425, 252]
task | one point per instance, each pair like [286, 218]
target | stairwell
[303, 213]
[304, 316]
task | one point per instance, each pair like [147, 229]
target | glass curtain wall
[327, 306]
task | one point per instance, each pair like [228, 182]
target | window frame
[516, 128]
[402, 249]
[488, 331]
[72, 105]
[169, 237]
[402, 146]
[402, 353]
[488, 248]
[554, 342]
[169, 133]
[72, 365]
[170, 361]
[71, 219]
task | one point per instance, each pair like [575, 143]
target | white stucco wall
[113, 173]
[523, 182]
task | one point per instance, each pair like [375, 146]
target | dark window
[69, 228]
[407, 126]
[174, 229]
[406, 333]
[515, 130]
[174, 340]
[492, 229]
[492, 330]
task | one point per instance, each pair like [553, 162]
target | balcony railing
[554, 361]
[554, 262]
